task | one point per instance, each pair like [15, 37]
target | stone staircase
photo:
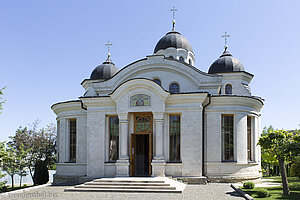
[130, 184]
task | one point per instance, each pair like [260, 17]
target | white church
[162, 116]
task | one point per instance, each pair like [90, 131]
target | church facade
[162, 116]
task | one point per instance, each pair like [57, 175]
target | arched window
[181, 59]
[190, 61]
[174, 88]
[171, 57]
[156, 80]
[228, 89]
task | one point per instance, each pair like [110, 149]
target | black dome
[173, 39]
[226, 63]
[104, 71]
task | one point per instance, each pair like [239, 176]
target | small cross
[225, 36]
[108, 44]
[173, 10]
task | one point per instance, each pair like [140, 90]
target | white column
[123, 134]
[241, 137]
[123, 162]
[159, 119]
[158, 163]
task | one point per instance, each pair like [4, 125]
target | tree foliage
[282, 145]
[36, 145]
[1, 99]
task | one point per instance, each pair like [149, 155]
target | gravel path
[212, 191]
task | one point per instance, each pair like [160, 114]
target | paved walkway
[211, 191]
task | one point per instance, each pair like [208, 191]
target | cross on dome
[225, 36]
[173, 21]
[108, 44]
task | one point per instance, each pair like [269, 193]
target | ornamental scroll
[140, 100]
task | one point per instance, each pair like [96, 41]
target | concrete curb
[241, 192]
[24, 190]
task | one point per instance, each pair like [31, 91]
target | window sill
[174, 162]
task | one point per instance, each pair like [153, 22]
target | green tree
[37, 144]
[1, 99]
[279, 144]
[10, 162]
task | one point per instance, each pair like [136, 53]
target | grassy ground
[16, 188]
[276, 192]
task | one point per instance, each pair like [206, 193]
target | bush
[295, 169]
[262, 193]
[41, 175]
[248, 185]
[25, 185]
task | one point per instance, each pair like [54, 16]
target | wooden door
[132, 155]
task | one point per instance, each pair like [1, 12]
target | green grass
[17, 188]
[276, 192]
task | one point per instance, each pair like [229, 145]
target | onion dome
[226, 64]
[104, 71]
[173, 39]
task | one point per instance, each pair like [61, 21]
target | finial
[225, 36]
[173, 21]
[108, 44]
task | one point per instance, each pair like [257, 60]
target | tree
[280, 144]
[1, 101]
[10, 162]
[39, 147]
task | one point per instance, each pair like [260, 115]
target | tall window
[227, 138]
[72, 131]
[249, 138]
[174, 88]
[174, 129]
[156, 80]
[228, 89]
[181, 59]
[113, 138]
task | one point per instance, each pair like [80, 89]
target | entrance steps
[130, 184]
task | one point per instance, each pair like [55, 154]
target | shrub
[261, 193]
[295, 169]
[248, 185]
[25, 185]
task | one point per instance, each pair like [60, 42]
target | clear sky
[48, 47]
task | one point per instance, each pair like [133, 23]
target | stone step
[128, 183]
[126, 187]
[121, 190]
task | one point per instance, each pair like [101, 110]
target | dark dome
[226, 63]
[173, 39]
[104, 71]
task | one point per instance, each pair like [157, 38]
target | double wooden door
[141, 145]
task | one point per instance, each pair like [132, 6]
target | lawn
[16, 188]
[276, 192]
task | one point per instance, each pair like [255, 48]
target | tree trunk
[12, 182]
[286, 190]
[31, 174]
[21, 180]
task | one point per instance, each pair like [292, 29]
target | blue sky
[48, 47]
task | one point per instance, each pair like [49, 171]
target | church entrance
[141, 145]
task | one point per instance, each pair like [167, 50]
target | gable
[168, 71]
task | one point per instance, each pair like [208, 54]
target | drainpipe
[82, 106]
[203, 135]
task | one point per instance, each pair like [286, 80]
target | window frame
[224, 146]
[174, 83]
[175, 151]
[157, 79]
[111, 159]
[228, 90]
[72, 140]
